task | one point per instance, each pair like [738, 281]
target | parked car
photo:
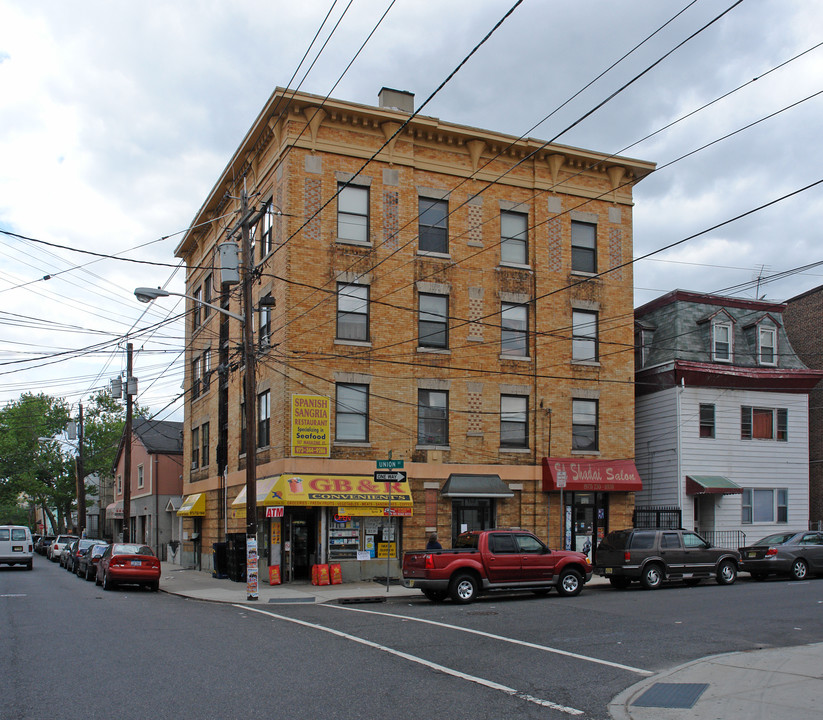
[41, 547]
[796, 554]
[78, 549]
[16, 546]
[652, 556]
[87, 562]
[66, 554]
[56, 548]
[501, 559]
[128, 564]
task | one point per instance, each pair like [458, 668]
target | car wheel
[726, 573]
[436, 595]
[652, 577]
[570, 583]
[800, 570]
[107, 582]
[619, 582]
[88, 573]
[464, 589]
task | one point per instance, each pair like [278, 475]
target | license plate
[608, 571]
[136, 563]
[752, 554]
[411, 583]
[17, 548]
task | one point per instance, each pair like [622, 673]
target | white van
[16, 546]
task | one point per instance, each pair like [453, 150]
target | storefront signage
[275, 512]
[590, 475]
[310, 426]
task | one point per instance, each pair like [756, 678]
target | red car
[128, 564]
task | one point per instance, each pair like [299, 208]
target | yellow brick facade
[296, 155]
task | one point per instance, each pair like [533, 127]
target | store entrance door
[588, 512]
[471, 514]
[301, 542]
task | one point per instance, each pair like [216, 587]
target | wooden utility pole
[81, 482]
[127, 449]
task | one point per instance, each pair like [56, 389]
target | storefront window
[350, 538]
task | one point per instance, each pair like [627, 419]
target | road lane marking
[490, 684]
[524, 643]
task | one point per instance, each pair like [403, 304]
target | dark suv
[652, 556]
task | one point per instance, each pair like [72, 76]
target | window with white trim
[764, 423]
[352, 312]
[584, 335]
[721, 342]
[433, 321]
[514, 421]
[764, 505]
[432, 417]
[263, 418]
[204, 445]
[706, 420]
[353, 213]
[140, 476]
[195, 448]
[267, 228]
[352, 413]
[514, 330]
[584, 425]
[514, 237]
[433, 225]
[584, 247]
[767, 346]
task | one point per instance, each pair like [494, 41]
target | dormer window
[721, 342]
[766, 346]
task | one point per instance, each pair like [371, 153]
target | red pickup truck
[486, 560]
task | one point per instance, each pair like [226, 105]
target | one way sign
[390, 476]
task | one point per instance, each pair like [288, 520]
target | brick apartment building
[802, 316]
[452, 297]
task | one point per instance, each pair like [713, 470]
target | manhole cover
[671, 695]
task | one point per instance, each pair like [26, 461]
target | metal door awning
[711, 485]
[461, 485]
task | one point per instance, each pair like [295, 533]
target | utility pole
[81, 482]
[249, 397]
[127, 448]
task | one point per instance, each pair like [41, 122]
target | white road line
[524, 643]
[413, 658]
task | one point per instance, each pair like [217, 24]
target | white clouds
[116, 119]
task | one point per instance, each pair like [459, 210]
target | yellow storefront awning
[350, 491]
[193, 506]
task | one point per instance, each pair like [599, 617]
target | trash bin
[219, 560]
[236, 557]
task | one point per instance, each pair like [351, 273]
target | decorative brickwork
[391, 222]
[475, 403]
[476, 224]
[475, 313]
[555, 263]
[615, 252]
[311, 202]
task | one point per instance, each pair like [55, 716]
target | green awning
[476, 486]
[711, 485]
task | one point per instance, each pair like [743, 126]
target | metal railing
[732, 539]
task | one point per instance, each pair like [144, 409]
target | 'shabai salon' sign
[310, 426]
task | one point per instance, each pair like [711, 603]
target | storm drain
[671, 695]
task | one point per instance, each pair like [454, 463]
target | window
[433, 321]
[263, 418]
[204, 445]
[432, 417]
[140, 476]
[353, 213]
[514, 421]
[514, 330]
[766, 346]
[765, 505]
[206, 378]
[706, 421]
[119, 484]
[196, 377]
[267, 229]
[352, 312]
[264, 328]
[197, 310]
[721, 342]
[584, 247]
[195, 448]
[206, 296]
[433, 225]
[584, 335]
[584, 425]
[502, 544]
[352, 412]
[764, 423]
[642, 347]
[514, 237]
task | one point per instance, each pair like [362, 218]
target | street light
[144, 294]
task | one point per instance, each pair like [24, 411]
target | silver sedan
[796, 554]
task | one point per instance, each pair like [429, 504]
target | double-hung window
[706, 420]
[352, 413]
[197, 310]
[352, 312]
[267, 228]
[432, 417]
[767, 346]
[514, 237]
[584, 425]
[141, 478]
[206, 297]
[206, 374]
[584, 335]
[721, 342]
[514, 421]
[195, 448]
[204, 445]
[433, 321]
[764, 505]
[584, 247]
[514, 330]
[433, 225]
[196, 377]
[764, 423]
[263, 419]
[353, 213]
[264, 330]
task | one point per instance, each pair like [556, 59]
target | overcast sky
[117, 117]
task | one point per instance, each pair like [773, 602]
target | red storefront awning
[590, 475]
